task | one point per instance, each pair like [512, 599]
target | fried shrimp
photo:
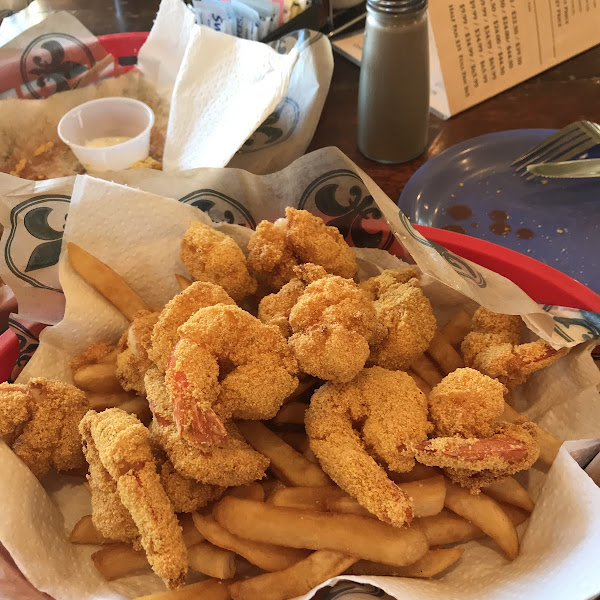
[276, 248]
[177, 311]
[405, 312]
[333, 324]
[354, 428]
[122, 446]
[227, 365]
[494, 348]
[234, 462]
[471, 444]
[133, 361]
[210, 255]
[40, 421]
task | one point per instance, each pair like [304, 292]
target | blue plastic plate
[471, 188]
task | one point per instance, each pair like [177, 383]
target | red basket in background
[124, 47]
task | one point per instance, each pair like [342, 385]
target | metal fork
[570, 141]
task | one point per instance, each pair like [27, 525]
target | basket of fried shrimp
[282, 420]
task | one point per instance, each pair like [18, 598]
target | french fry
[265, 556]
[427, 495]
[100, 378]
[516, 514]
[289, 466]
[86, 485]
[444, 354]
[270, 486]
[418, 472]
[191, 535]
[362, 537]
[447, 528]
[212, 561]
[139, 407]
[304, 385]
[484, 512]
[291, 413]
[421, 383]
[85, 532]
[549, 445]
[293, 581]
[457, 328]
[250, 491]
[99, 401]
[183, 282]
[433, 563]
[425, 368]
[210, 589]
[298, 440]
[108, 283]
[510, 491]
[118, 560]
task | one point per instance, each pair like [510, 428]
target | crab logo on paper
[342, 200]
[220, 207]
[52, 61]
[35, 237]
[276, 128]
[299, 39]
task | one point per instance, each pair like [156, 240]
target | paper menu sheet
[479, 48]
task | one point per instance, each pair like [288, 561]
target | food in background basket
[365, 472]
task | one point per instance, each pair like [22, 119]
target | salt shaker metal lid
[398, 7]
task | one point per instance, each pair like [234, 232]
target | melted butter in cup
[105, 142]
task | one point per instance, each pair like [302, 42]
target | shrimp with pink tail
[226, 365]
[494, 348]
[470, 442]
[354, 428]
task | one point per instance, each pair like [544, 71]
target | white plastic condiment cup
[108, 117]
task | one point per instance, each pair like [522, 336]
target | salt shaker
[393, 93]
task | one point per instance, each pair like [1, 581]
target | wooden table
[566, 93]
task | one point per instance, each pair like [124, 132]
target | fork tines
[570, 141]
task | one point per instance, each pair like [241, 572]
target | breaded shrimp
[493, 347]
[227, 364]
[187, 495]
[333, 324]
[405, 312]
[354, 428]
[94, 354]
[471, 444]
[177, 311]
[124, 450]
[276, 248]
[232, 463]
[133, 361]
[40, 421]
[210, 255]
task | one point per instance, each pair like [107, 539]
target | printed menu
[479, 48]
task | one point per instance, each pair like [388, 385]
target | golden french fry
[289, 466]
[86, 485]
[549, 445]
[183, 282]
[85, 532]
[212, 561]
[291, 413]
[304, 385]
[510, 491]
[119, 560]
[108, 283]
[418, 472]
[294, 581]
[484, 512]
[265, 556]
[99, 401]
[110, 358]
[210, 589]
[447, 528]
[428, 495]
[421, 383]
[425, 368]
[298, 440]
[139, 407]
[250, 491]
[101, 378]
[457, 328]
[515, 513]
[358, 536]
[307, 498]
[433, 563]
[444, 354]
[270, 486]
[191, 535]
[311, 456]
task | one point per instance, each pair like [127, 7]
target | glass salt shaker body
[393, 95]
